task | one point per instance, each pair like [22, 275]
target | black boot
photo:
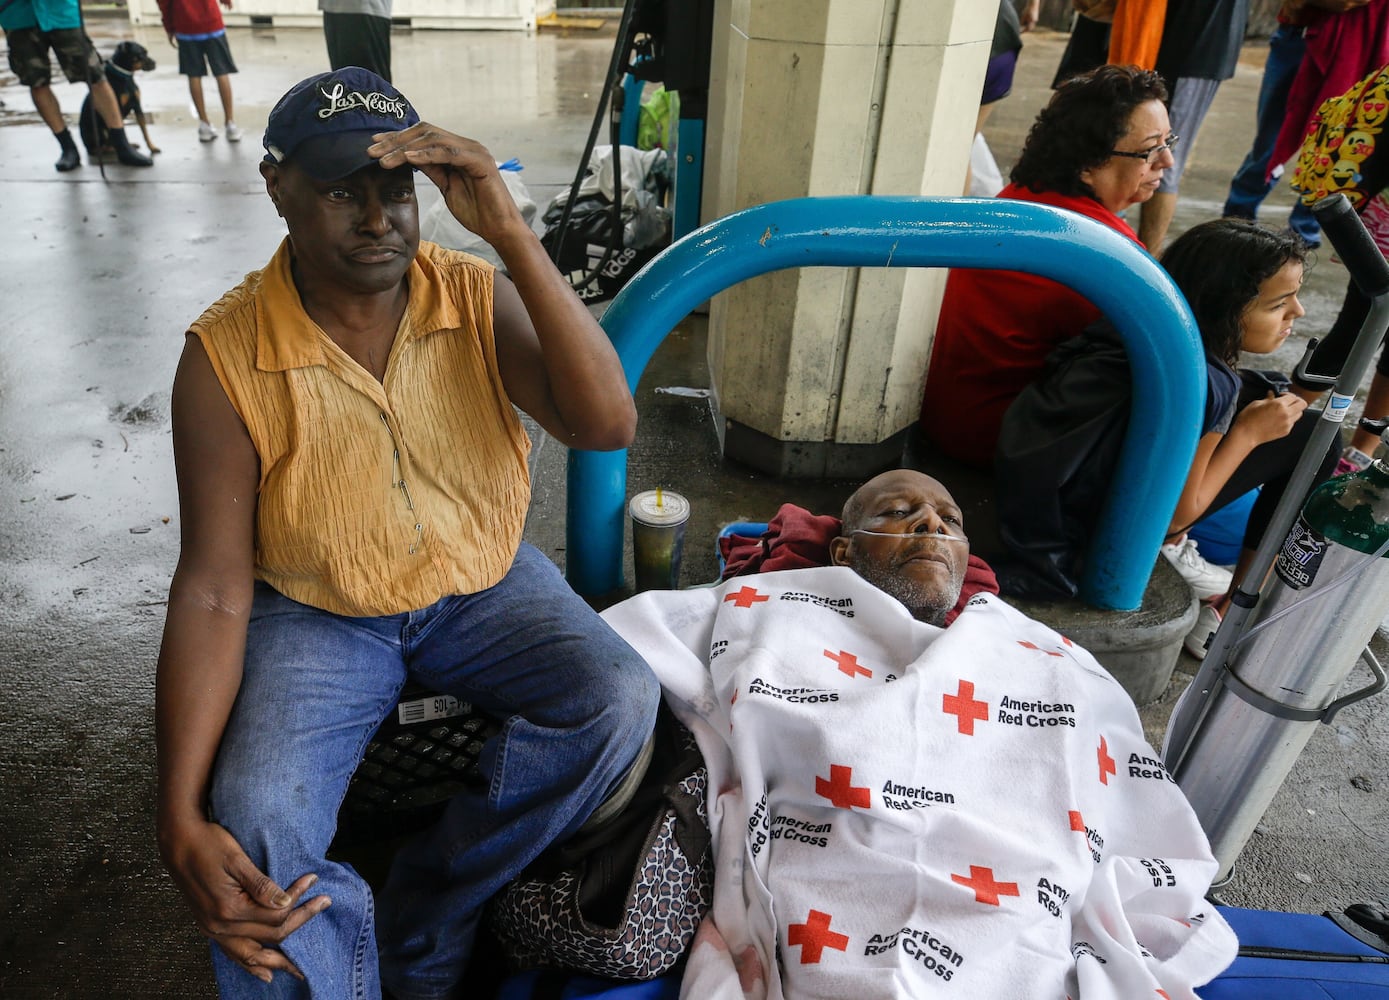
[125, 154]
[70, 159]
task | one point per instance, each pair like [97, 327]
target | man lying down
[904, 811]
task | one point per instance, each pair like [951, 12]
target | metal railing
[1123, 281]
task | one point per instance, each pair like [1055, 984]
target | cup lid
[672, 508]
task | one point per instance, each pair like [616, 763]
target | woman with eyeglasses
[1099, 146]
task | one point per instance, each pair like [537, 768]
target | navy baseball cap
[324, 124]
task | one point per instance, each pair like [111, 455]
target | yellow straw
[659, 502]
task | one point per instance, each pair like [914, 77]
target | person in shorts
[36, 28]
[196, 29]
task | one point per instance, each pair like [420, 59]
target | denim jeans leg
[578, 704]
[1249, 186]
[314, 688]
[1303, 221]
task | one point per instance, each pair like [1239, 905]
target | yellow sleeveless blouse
[376, 498]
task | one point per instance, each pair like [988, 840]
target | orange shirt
[1136, 33]
[376, 498]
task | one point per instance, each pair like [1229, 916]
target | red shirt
[191, 17]
[995, 331]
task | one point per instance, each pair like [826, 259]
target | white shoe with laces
[1205, 578]
[206, 133]
[1196, 641]
[232, 132]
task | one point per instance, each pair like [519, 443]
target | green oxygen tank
[1315, 619]
[1352, 510]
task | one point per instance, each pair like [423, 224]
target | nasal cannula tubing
[909, 534]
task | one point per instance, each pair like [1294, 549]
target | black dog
[120, 73]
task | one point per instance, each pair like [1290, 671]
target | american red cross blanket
[904, 811]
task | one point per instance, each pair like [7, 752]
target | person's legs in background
[83, 64]
[358, 40]
[577, 703]
[1191, 99]
[1331, 353]
[219, 59]
[1250, 184]
[193, 64]
[28, 57]
[80, 62]
[224, 91]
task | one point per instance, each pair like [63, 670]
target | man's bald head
[904, 533]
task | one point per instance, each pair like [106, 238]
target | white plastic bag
[985, 180]
[439, 226]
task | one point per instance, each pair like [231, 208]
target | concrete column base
[810, 459]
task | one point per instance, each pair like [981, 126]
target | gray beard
[925, 604]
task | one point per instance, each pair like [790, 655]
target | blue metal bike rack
[1164, 346]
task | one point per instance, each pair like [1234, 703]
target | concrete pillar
[818, 372]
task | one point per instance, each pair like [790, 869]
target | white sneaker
[233, 132]
[1206, 579]
[1196, 641]
[206, 133]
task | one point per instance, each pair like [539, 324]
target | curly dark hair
[1078, 128]
[1219, 266]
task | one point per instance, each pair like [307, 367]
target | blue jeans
[1250, 186]
[577, 701]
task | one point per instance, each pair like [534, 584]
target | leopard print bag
[624, 901]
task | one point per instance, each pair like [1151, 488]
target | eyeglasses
[1152, 153]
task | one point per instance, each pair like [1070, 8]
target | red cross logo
[1106, 762]
[1028, 645]
[1077, 824]
[840, 789]
[965, 709]
[745, 598]
[814, 936]
[986, 890]
[848, 664]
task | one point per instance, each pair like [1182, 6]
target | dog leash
[91, 101]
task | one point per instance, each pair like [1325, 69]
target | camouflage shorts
[29, 48]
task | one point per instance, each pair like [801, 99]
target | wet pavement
[101, 278]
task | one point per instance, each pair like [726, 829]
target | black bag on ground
[602, 248]
[1057, 450]
[622, 901]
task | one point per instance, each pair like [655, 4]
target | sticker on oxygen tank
[1303, 551]
[1337, 407]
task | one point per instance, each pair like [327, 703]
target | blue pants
[577, 701]
[1249, 187]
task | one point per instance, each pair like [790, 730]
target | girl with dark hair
[1099, 146]
[1241, 282]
